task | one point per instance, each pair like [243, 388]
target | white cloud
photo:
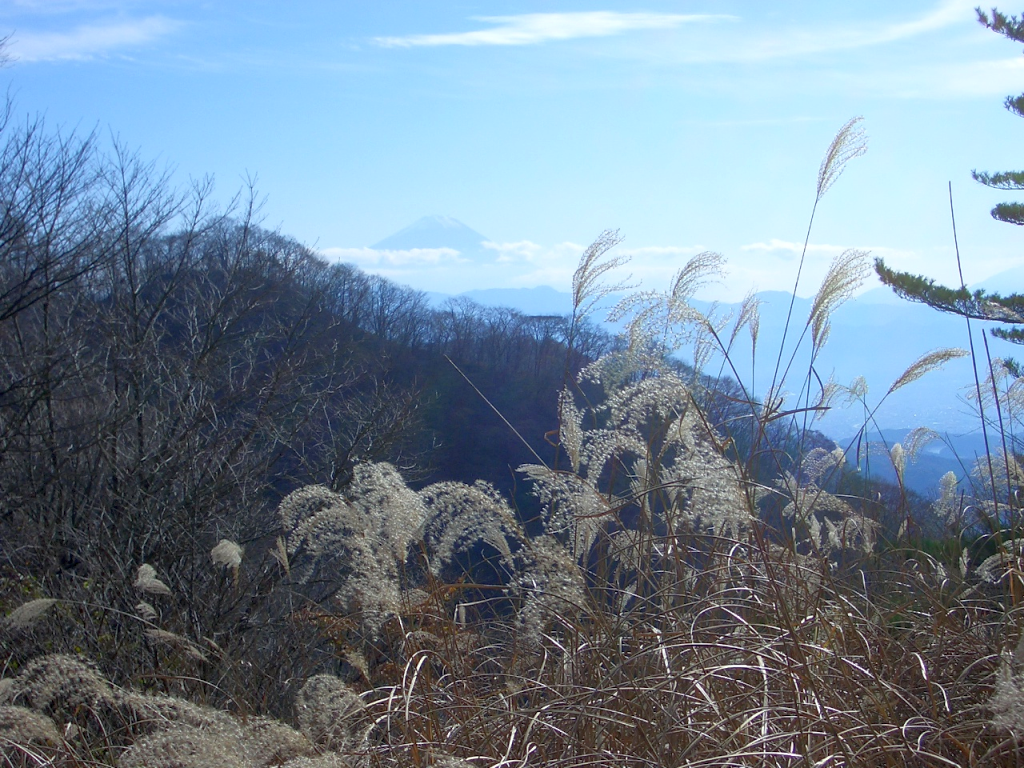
[412, 258]
[90, 40]
[535, 28]
[526, 252]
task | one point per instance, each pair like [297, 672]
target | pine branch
[1007, 180]
[1007, 26]
[978, 305]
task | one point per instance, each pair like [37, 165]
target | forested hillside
[241, 486]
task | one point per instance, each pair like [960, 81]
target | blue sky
[687, 125]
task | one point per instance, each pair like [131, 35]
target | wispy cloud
[535, 28]
[945, 14]
[90, 40]
[751, 43]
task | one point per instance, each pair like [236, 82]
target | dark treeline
[168, 371]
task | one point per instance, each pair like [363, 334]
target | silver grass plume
[588, 287]
[749, 317]
[459, 515]
[845, 274]
[147, 581]
[823, 522]
[1002, 468]
[667, 319]
[572, 508]
[899, 462]
[151, 713]
[849, 142]
[27, 614]
[326, 760]
[227, 553]
[175, 642]
[570, 427]
[997, 567]
[550, 588]
[946, 508]
[359, 543]
[705, 487]
[917, 439]
[926, 363]
[145, 611]
[821, 464]
[1007, 702]
[271, 742]
[856, 392]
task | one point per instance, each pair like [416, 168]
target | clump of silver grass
[22, 726]
[358, 541]
[331, 715]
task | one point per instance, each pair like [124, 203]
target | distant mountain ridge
[871, 336]
[877, 335]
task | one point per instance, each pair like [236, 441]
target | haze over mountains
[875, 335]
[436, 232]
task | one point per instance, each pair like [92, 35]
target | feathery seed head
[917, 439]
[587, 288]
[850, 142]
[820, 463]
[271, 742]
[27, 614]
[946, 508]
[151, 713]
[899, 460]
[227, 553]
[304, 504]
[460, 515]
[145, 611]
[749, 316]
[175, 642]
[846, 273]
[359, 543]
[926, 363]
[570, 423]
[550, 585]
[147, 581]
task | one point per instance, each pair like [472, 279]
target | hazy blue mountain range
[876, 335]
